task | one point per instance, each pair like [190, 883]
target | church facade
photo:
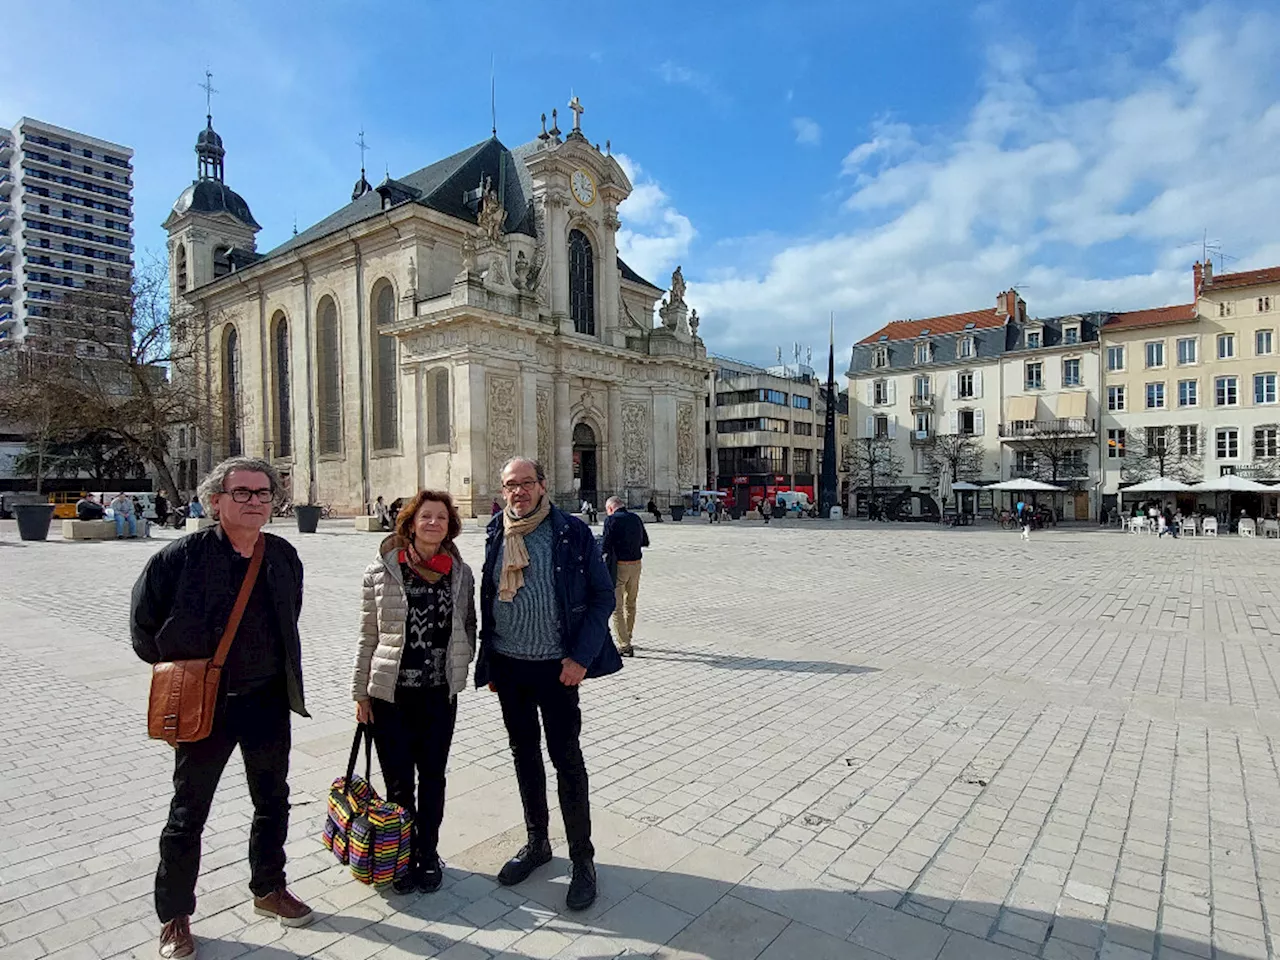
[436, 326]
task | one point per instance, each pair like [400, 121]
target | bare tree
[873, 464]
[1160, 452]
[1059, 459]
[957, 455]
[31, 406]
[112, 372]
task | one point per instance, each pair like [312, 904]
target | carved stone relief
[685, 462]
[502, 424]
[544, 427]
[635, 444]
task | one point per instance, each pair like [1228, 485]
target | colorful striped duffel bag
[364, 831]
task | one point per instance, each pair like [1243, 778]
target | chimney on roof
[1197, 280]
[1208, 272]
[1010, 305]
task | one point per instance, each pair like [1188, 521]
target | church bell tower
[211, 229]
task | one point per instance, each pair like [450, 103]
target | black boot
[530, 857]
[582, 885]
[430, 874]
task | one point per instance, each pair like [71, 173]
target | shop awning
[1020, 408]
[1072, 406]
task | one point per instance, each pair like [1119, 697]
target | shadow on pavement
[727, 662]
[682, 916]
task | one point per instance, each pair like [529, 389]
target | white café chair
[1271, 528]
[1210, 526]
[1246, 527]
[1136, 524]
[1187, 527]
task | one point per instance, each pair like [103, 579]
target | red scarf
[431, 569]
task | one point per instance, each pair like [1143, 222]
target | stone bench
[88, 529]
[196, 524]
[367, 524]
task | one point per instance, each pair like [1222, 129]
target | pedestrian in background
[625, 538]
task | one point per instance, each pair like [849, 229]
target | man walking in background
[624, 538]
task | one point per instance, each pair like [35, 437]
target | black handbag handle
[362, 730]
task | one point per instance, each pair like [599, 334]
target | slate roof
[214, 196]
[950, 323]
[1245, 278]
[441, 187]
[629, 274]
[1180, 313]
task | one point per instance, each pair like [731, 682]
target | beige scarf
[514, 555]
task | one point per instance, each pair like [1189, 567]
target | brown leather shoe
[291, 911]
[176, 941]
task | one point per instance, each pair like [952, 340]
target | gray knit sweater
[528, 628]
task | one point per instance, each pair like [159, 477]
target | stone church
[439, 324]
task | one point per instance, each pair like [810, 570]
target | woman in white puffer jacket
[417, 640]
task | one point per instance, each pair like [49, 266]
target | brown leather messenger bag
[184, 693]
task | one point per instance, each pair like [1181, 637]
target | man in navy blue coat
[545, 601]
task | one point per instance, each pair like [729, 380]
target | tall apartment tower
[66, 222]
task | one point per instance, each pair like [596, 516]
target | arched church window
[329, 379]
[582, 284]
[386, 432]
[180, 262]
[284, 412]
[438, 407]
[221, 262]
[231, 391]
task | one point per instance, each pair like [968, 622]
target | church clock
[584, 188]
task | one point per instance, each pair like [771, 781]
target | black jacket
[624, 536]
[583, 588]
[184, 596]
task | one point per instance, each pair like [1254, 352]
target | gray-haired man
[181, 602]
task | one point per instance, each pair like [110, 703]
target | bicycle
[1008, 521]
[326, 511]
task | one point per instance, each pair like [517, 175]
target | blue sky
[881, 161]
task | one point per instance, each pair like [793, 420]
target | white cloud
[1090, 203]
[654, 235]
[807, 131]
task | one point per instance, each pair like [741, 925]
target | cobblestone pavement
[837, 741]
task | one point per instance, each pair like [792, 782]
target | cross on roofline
[209, 91]
[363, 147]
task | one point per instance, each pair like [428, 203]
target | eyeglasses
[244, 495]
[526, 485]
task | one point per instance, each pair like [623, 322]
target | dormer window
[965, 348]
[924, 352]
[1071, 334]
[1033, 339]
[880, 357]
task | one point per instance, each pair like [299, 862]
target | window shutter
[893, 392]
[893, 428]
[871, 393]
[977, 384]
[871, 426]
[954, 420]
[978, 422]
[955, 385]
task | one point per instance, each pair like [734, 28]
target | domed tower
[210, 226]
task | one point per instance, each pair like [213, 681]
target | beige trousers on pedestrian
[624, 595]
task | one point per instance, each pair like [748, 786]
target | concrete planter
[33, 520]
[308, 518]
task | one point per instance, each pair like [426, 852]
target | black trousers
[525, 689]
[259, 723]
[414, 734]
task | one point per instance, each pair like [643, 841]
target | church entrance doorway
[585, 463]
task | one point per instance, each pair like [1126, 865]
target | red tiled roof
[951, 323]
[1156, 315]
[1245, 278]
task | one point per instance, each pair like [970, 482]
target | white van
[793, 501]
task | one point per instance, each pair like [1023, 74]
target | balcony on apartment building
[1026, 420]
[922, 438]
[921, 400]
[1067, 471]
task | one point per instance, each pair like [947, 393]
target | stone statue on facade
[492, 214]
[693, 323]
[677, 286]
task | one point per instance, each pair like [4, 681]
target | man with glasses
[180, 605]
[545, 601]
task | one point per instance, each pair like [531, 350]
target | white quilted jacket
[383, 611]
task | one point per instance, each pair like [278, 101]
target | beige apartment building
[1191, 389]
